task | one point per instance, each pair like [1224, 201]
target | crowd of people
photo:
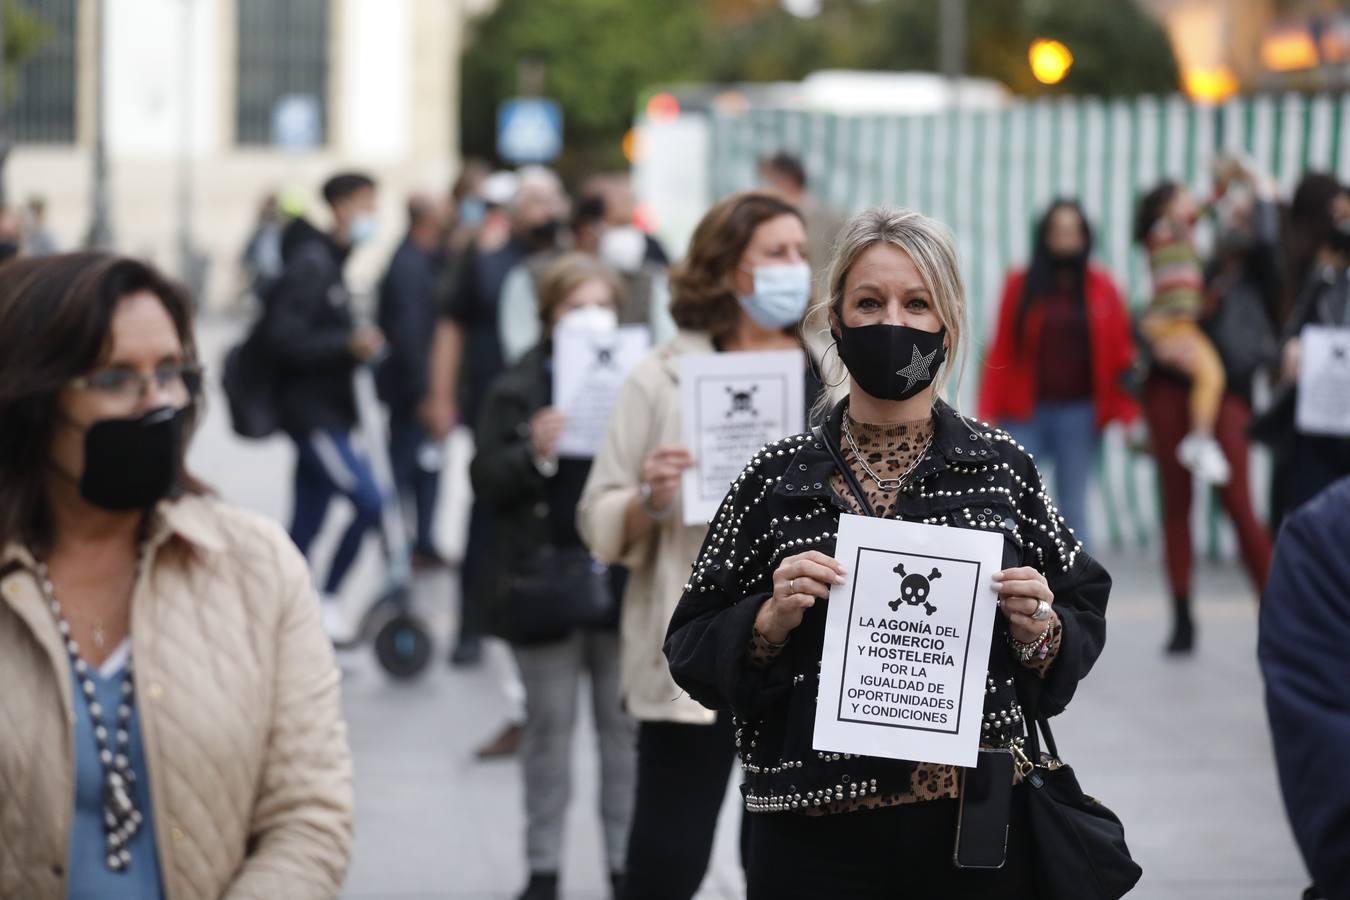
[696, 643]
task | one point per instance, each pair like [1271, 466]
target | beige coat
[646, 416]
[237, 692]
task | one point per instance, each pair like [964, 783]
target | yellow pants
[1203, 366]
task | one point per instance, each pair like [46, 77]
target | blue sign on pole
[296, 123]
[529, 130]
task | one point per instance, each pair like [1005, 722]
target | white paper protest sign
[588, 370]
[1324, 381]
[733, 404]
[907, 638]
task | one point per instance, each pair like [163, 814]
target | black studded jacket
[782, 504]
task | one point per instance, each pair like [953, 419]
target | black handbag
[556, 591]
[1080, 844]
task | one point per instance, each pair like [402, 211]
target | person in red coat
[1053, 375]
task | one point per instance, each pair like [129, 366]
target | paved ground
[1179, 749]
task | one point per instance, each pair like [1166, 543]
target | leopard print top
[890, 450]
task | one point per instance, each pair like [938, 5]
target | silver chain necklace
[121, 819]
[885, 484]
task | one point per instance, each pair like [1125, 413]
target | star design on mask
[918, 368]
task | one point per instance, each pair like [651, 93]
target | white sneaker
[1203, 456]
[334, 620]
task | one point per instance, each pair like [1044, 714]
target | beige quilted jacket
[250, 774]
[646, 416]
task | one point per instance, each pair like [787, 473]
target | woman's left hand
[1020, 594]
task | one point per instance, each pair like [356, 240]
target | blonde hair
[567, 273]
[929, 245]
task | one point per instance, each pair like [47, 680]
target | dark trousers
[407, 437]
[896, 853]
[327, 465]
[1314, 463]
[1167, 408]
[473, 595]
[681, 783]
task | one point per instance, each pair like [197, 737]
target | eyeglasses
[130, 387]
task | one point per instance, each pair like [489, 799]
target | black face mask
[891, 362]
[1340, 238]
[544, 235]
[1067, 263]
[132, 464]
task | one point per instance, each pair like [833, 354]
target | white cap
[499, 188]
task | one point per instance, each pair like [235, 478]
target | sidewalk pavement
[1178, 748]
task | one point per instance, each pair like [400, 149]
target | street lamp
[100, 228]
[1050, 60]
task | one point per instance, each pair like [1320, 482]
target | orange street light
[1050, 60]
[1210, 85]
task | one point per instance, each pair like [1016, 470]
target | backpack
[249, 378]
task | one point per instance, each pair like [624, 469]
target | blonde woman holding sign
[748, 632]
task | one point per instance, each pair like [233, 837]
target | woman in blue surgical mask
[743, 287]
[182, 733]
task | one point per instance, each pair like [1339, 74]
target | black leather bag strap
[854, 487]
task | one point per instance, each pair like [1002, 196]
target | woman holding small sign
[743, 288]
[546, 596]
[749, 631]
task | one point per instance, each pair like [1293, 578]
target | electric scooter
[400, 638]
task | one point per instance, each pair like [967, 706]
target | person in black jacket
[1305, 630]
[316, 343]
[518, 475]
[749, 630]
[1306, 463]
[407, 316]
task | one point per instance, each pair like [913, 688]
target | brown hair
[569, 272]
[700, 286]
[55, 317]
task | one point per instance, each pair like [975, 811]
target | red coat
[1008, 386]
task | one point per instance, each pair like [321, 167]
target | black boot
[542, 886]
[1183, 628]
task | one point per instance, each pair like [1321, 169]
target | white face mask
[363, 229]
[592, 319]
[782, 292]
[623, 248]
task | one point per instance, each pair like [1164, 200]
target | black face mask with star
[891, 362]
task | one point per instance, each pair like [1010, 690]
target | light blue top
[90, 877]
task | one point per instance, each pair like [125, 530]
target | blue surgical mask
[781, 295]
[471, 212]
[363, 229]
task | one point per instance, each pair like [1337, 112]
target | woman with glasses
[175, 701]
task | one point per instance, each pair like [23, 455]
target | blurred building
[1227, 46]
[240, 97]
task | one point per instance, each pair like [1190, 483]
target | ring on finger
[1042, 611]
[792, 585]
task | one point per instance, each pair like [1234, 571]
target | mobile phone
[985, 807]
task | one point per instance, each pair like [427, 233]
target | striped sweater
[1178, 281]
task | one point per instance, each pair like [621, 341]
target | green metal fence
[987, 175]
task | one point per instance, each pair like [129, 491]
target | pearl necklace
[121, 818]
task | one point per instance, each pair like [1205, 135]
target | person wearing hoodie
[316, 342]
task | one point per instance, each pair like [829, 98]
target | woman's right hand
[797, 582]
[1290, 361]
[546, 428]
[661, 472]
